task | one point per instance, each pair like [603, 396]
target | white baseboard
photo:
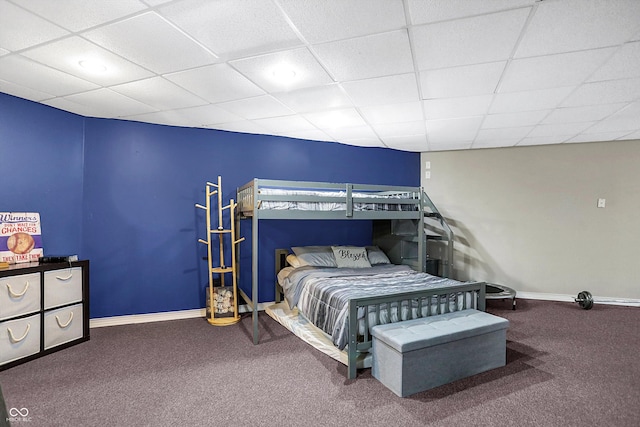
[160, 317]
[200, 312]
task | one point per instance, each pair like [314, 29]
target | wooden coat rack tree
[223, 299]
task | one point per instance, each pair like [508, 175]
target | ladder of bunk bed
[443, 233]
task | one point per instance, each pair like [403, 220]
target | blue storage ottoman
[420, 354]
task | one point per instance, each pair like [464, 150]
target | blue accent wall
[122, 194]
[41, 151]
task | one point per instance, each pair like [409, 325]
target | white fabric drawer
[62, 286]
[19, 295]
[19, 338]
[62, 325]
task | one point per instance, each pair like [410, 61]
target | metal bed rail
[252, 195]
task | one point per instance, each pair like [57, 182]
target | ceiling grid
[414, 75]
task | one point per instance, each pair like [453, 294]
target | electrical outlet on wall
[602, 203]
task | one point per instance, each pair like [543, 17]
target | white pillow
[377, 256]
[293, 261]
[316, 256]
[351, 256]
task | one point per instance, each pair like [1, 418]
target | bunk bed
[262, 199]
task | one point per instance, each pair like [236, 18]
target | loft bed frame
[253, 197]
[347, 202]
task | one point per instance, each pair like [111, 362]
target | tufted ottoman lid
[433, 330]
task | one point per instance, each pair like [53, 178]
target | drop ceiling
[414, 75]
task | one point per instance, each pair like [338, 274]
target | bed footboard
[427, 302]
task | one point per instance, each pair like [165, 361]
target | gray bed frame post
[254, 265]
[422, 243]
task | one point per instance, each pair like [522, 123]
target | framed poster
[20, 237]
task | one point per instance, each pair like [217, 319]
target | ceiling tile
[601, 137]
[572, 25]
[327, 120]
[567, 69]
[156, 2]
[285, 125]
[634, 135]
[390, 130]
[407, 142]
[559, 139]
[363, 132]
[383, 90]
[529, 100]
[487, 38]
[522, 118]
[425, 11]
[509, 133]
[20, 29]
[200, 116]
[445, 108]
[608, 92]
[171, 50]
[258, 107]
[159, 93]
[313, 135]
[569, 129]
[497, 143]
[330, 20]
[468, 80]
[206, 115]
[582, 114]
[243, 126]
[407, 112]
[107, 103]
[24, 72]
[282, 71]
[624, 64]
[78, 15]
[67, 54]
[65, 104]
[22, 91]
[448, 146]
[363, 142]
[453, 130]
[328, 97]
[364, 57]
[216, 83]
[262, 25]
[627, 118]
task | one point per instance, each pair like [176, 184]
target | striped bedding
[386, 201]
[322, 294]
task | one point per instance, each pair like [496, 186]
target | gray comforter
[322, 294]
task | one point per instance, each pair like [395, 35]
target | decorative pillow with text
[351, 256]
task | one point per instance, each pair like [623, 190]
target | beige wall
[527, 217]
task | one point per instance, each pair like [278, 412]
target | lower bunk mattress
[305, 330]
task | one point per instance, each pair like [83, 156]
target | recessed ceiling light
[93, 66]
[283, 73]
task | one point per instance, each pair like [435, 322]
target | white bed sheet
[305, 330]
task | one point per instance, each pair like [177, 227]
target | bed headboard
[281, 259]
[281, 262]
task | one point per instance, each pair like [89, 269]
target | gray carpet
[565, 367]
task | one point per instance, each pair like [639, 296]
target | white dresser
[43, 308]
